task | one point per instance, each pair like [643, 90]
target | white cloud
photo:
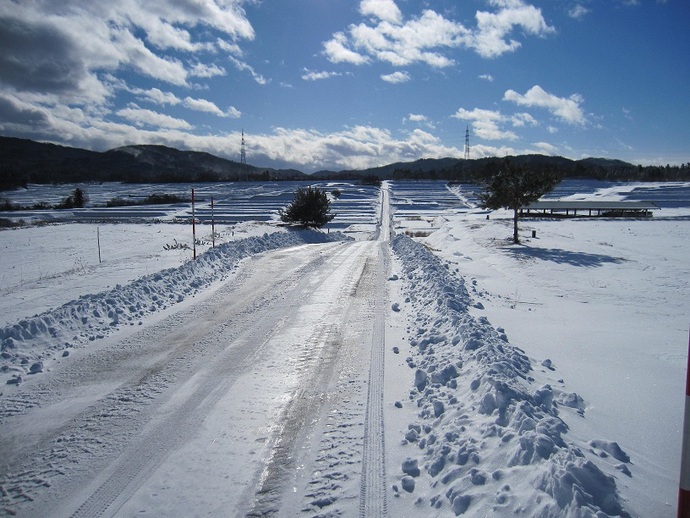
[426, 38]
[489, 39]
[203, 105]
[578, 12]
[398, 44]
[352, 148]
[245, 67]
[385, 10]
[52, 52]
[159, 97]
[311, 75]
[546, 148]
[487, 77]
[486, 124]
[337, 51]
[141, 117]
[207, 70]
[412, 117]
[396, 77]
[522, 119]
[566, 109]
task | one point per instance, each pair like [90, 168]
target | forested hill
[25, 161]
[460, 170]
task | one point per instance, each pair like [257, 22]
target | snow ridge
[485, 439]
[32, 341]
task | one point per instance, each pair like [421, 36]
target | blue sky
[339, 84]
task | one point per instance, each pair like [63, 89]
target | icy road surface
[250, 400]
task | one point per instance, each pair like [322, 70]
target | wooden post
[213, 225]
[684, 489]
[98, 238]
[193, 227]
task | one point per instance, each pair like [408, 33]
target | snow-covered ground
[543, 379]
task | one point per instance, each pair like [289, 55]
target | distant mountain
[458, 169]
[25, 161]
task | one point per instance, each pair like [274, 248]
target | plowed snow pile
[33, 342]
[489, 438]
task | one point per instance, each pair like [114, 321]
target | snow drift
[483, 420]
[27, 344]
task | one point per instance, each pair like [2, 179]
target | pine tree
[514, 187]
[310, 207]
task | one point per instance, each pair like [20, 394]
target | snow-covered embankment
[487, 436]
[30, 343]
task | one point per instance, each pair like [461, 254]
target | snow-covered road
[227, 403]
[250, 382]
[252, 398]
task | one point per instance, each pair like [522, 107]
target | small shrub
[176, 246]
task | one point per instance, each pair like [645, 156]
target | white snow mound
[92, 317]
[487, 440]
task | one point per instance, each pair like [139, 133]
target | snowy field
[540, 379]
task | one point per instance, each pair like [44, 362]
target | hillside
[25, 161]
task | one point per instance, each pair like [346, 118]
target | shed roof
[591, 205]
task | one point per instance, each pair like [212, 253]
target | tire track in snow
[123, 417]
[373, 493]
[307, 403]
[136, 465]
[373, 497]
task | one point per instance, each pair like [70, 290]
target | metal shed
[558, 208]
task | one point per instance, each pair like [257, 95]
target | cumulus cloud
[567, 109]
[419, 119]
[387, 37]
[396, 77]
[385, 10]
[47, 49]
[522, 119]
[489, 39]
[353, 147]
[486, 124]
[412, 117]
[337, 51]
[487, 77]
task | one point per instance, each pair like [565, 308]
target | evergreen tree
[513, 187]
[310, 207]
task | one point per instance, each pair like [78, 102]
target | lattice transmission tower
[467, 143]
[243, 152]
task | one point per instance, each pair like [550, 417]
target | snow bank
[487, 438]
[90, 317]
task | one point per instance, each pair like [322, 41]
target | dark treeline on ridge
[24, 161]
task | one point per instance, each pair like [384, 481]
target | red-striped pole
[213, 225]
[684, 490]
